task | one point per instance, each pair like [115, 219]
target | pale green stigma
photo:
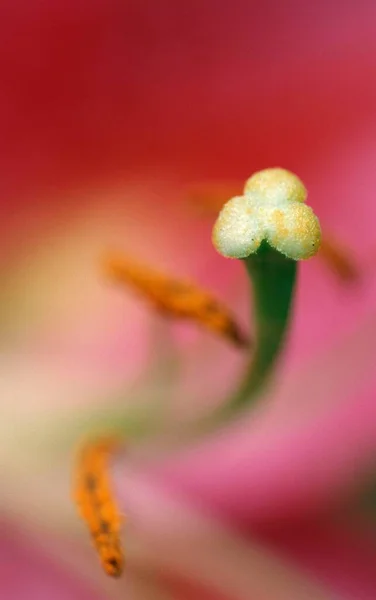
[272, 209]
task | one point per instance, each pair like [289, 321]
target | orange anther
[96, 504]
[175, 298]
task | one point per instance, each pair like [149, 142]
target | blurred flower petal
[28, 574]
[301, 448]
[339, 553]
[165, 535]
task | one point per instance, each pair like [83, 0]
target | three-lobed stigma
[272, 209]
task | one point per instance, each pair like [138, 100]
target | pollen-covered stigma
[272, 209]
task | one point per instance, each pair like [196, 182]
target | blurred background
[113, 114]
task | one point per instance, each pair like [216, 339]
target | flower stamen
[176, 298]
[96, 505]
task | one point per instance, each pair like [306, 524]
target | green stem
[272, 278]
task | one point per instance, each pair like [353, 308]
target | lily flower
[111, 112]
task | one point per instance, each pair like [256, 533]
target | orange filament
[96, 505]
[175, 298]
[339, 259]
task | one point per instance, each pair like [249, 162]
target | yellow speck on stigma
[273, 209]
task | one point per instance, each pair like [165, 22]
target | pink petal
[312, 439]
[166, 536]
[339, 554]
[28, 574]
